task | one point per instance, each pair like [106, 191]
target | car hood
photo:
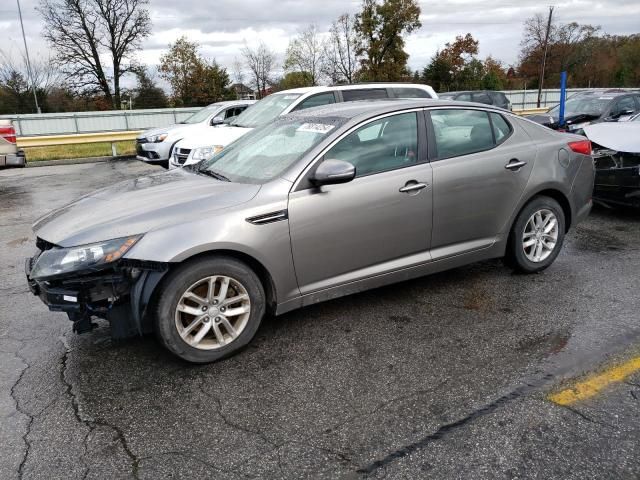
[550, 120]
[223, 135]
[140, 205]
[178, 130]
[621, 137]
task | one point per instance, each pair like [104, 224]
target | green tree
[147, 94]
[194, 80]
[295, 80]
[380, 27]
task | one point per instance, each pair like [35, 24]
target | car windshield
[586, 105]
[270, 150]
[446, 96]
[265, 110]
[201, 115]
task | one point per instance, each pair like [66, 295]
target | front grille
[181, 154]
[141, 140]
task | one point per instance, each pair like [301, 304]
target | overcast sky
[221, 26]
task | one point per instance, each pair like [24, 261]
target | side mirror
[331, 172]
[217, 121]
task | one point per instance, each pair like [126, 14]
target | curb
[74, 161]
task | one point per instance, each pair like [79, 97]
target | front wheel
[537, 235]
[209, 308]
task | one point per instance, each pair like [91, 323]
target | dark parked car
[488, 97]
[587, 108]
[311, 206]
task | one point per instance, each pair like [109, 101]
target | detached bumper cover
[120, 294]
[617, 178]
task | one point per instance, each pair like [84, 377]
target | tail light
[581, 146]
[8, 133]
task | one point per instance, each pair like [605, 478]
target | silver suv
[312, 206]
[155, 145]
[10, 156]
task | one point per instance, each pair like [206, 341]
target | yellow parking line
[592, 385]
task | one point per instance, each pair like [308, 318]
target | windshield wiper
[214, 174]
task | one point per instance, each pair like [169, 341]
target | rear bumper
[13, 160]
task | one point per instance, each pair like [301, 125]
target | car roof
[354, 86]
[603, 93]
[456, 92]
[370, 108]
[230, 102]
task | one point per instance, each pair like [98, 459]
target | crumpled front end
[119, 292]
[617, 178]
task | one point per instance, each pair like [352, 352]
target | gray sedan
[318, 204]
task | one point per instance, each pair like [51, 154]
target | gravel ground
[440, 377]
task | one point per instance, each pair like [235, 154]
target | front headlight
[58, 261]
[161, 137]
[205, 153]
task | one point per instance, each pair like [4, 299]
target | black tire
[515, 254]
[179, 281]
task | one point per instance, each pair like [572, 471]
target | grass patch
[84, 150]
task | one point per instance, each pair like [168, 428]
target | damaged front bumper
[617, 180]
[120, 293]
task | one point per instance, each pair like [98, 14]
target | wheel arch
[150, 297]
[550, 192]
[256, 265]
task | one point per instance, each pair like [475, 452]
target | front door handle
[515, 164]
[411, 187]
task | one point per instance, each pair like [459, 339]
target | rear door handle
[411, 187]
[515, 164]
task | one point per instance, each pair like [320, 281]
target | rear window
[410, 93]
[461, 132]
[316, 101]
[364, 94]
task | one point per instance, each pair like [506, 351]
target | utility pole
[544, 56]
[26, 52]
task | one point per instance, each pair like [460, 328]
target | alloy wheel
[540, 235]
[212, 312]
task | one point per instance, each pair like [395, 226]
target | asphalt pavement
[447, 376]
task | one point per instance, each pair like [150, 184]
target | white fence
[92, 122]
[115, 121]
[525, 99]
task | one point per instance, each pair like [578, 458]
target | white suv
[200, 145]
[155, 145]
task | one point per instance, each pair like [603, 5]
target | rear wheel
[209, 308]
[537, 235]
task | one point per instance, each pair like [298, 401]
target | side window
[501, 128]
[482, 97]
[623, 105]
[410, 93]
[364, 94]
[464, 97]
[385, 144]
[231, 112]
[460, 132]
[316, 101]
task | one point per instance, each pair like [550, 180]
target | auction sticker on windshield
[314, 128]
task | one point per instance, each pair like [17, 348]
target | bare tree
[85, 32]
[260, 62]
[43, 71]
[237, 70]
[340, 57]
[305, 54]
